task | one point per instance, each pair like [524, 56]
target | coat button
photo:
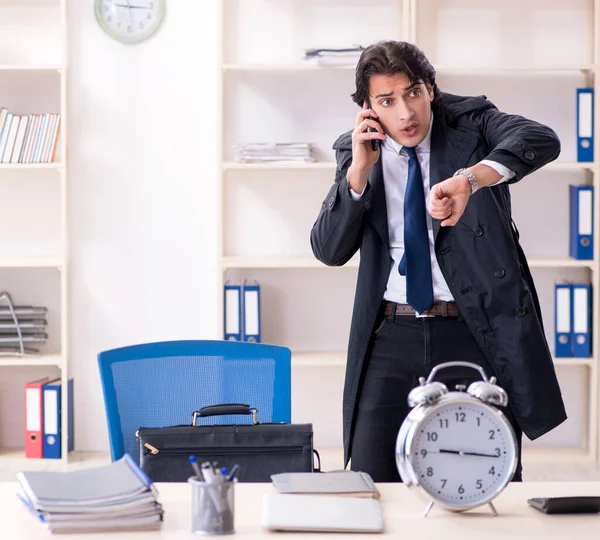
[367, 205]
[520, 311]
[529, 155]
[499, 273]
[477, 231]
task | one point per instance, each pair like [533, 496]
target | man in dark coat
[442, 275]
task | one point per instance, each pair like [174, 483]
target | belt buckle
[423, 315]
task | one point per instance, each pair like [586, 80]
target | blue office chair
[162, 384]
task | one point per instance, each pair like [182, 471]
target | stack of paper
[265, 152]
[335, 57]
[115, 497]
[340, 483]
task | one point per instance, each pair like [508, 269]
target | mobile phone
[566, 505]
[374, 142]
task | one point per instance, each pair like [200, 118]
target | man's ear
[430, 91]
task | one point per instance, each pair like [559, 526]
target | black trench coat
[480, 257]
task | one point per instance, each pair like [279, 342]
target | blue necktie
[416, 262]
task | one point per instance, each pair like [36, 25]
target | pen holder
[212, 507]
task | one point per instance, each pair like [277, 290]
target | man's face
[404, 109]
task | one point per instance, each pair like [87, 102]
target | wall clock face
[129, 21]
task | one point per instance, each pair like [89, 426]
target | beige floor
[536, 467]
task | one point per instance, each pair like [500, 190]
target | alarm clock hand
[463, 453]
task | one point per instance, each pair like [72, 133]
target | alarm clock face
[463, 453]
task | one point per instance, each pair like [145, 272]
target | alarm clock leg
[428, 508]
[493, 508]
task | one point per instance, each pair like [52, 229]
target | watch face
[129, 20]
[463, 453]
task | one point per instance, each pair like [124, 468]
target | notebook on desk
[340, 483]
[321, 513]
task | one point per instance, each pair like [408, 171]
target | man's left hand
[448, 200]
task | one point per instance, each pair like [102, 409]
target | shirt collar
[424, 146]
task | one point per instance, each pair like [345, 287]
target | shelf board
[280, 165]
[533, 69]
[308, 66]
[572, 362]
[440, 69]
[55, 166]
[29, 67]
[31, 262]
[570, 165]
[559, 262]
[279, 262]
[54, 359]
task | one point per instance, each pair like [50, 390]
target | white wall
[143, 185]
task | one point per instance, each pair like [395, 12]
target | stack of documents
[265, 152]
[30, 321]
[115, 497]
[348, 56]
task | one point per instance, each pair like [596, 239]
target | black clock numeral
[429, 471]
[444, 483]
[118, 25]
[479, 484]
[432, 436]
[492, 435]
[497, 452]
[478, 422]
[443, 423]
[141, 25]
[492, 471]
[149, 16]
[461, 489]
[129, 28]
[109, 18]
[105, 8]
[460, 416]
[423, 452]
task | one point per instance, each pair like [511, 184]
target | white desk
[403, 516]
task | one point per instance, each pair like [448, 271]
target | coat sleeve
[337, 232]
[518, 143]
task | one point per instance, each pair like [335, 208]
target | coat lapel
[377, 214]
[450, 150]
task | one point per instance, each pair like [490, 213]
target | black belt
[437, 309]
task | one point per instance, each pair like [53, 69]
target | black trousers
[401, 350]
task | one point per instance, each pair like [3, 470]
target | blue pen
[224, 472]
[233, 472]
[197, 470]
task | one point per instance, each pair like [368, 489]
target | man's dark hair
[391, 58]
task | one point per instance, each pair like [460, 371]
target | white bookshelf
[34, 256]
[269, 94]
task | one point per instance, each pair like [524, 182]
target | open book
[341, 483]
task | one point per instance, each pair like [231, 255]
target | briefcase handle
[225, 408]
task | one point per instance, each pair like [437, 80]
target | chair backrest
[162, 384]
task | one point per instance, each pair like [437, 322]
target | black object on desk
[566, 505]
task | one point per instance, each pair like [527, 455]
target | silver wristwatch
[470, 177]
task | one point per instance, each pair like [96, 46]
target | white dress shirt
[395, 177]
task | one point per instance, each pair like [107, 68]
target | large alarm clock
[456, 448]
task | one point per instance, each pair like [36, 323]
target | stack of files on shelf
[43, 418]
[242, 312]
[572, 320]
[267, 152]
[28, 138]
[30, 321]
[114, 497]
[335, 57]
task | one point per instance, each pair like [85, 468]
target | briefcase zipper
[224, 450]
[153, 449]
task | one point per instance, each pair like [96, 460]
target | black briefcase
[260, 450]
